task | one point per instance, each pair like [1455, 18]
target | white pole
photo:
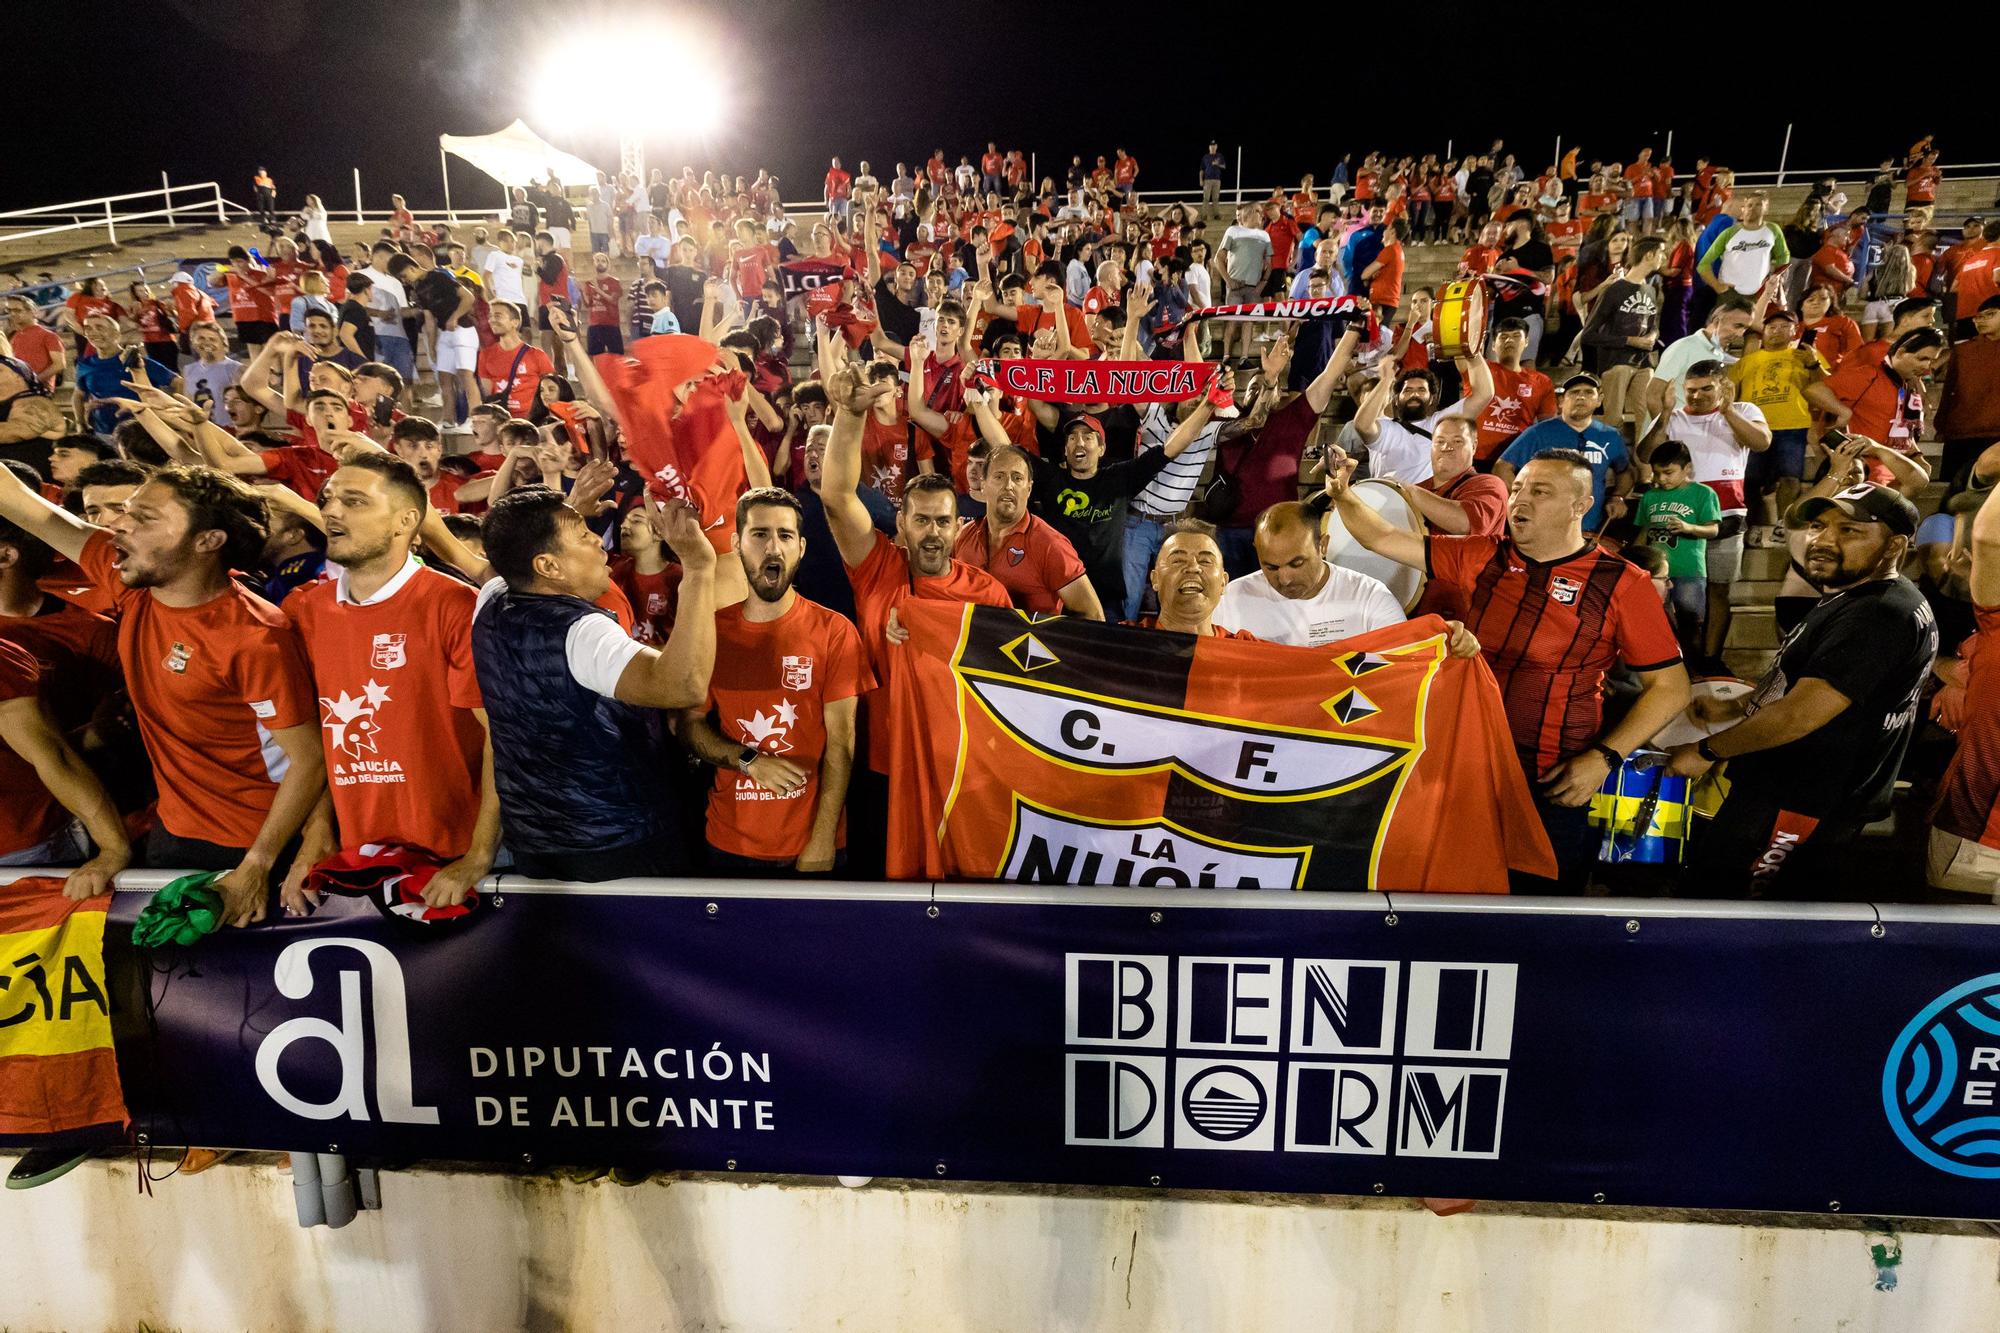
[1670, 145]
[110, 222]
[357, 195]
[221, 208]
[444, 168]
[1239, 173]
[167, 192]
[1559, 157]
[1448, 154]
[1034, 171]
[1784, 152]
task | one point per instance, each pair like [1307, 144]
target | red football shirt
[600, 299]
[209, 684]
[396, 694]
[28, 813]
[1550, 630]
[1969, 798]
[495, 363]
[654, 598]
[1520, 399]
[36, 346]
[303, 467]
[1032, 560]
[770, 688]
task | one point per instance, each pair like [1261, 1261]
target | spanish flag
[58, 1072]
[1064, 751]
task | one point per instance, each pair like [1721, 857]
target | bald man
[1296, 595]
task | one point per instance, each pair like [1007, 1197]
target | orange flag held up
[57, 1068]
[677, 434]
[1064, 751]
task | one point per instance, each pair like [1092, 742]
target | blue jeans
[1239, 551]
[1687, 607]
[1143, 539]
[398, 353]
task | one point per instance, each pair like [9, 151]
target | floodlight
[637, 80]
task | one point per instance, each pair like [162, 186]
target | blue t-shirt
[105, 376]
[1603, 446]
[1212, 165]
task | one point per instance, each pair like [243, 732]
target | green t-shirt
[1687, 557]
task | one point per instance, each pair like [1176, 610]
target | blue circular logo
[1941, 1085]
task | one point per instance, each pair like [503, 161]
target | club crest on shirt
[1564, 589]
[389, 651]
[1016, 554]
[177, 658]
[798, 673]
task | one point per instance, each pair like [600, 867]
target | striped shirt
[1169, 494]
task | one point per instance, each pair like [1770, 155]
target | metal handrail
[209, 195]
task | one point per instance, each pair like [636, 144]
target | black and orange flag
[1066, 751]
[57, 1068]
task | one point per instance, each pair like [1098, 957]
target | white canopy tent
[514, 156]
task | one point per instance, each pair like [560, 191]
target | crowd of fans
[360, 560]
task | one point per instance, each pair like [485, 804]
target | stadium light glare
[635, 80]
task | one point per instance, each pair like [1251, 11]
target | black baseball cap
[1865, 503]
[1581, 380]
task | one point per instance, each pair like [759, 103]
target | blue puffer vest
[576, 771]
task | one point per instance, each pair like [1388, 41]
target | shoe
[38, 1166]
[456, 428]
[1777, 536]
[194, 1161]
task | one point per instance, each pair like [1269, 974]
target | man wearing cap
[1085, 500]
[1815, 749]
[1576, 427]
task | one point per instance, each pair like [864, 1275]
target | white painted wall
[493, 1252]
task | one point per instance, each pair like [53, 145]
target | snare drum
[1458, 319]
[1644, 812]
[1684, 730]
[1406, 585]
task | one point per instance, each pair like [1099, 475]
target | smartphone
[1834, 438]
[1809, 337]
[927, 322]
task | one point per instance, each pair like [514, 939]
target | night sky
[208, 89]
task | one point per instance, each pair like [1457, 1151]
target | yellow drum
[1458, 320]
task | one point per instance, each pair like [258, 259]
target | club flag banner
[1304, 307]
[671, 410]
[1065, 751]
[1098, 381]
[57, 1068]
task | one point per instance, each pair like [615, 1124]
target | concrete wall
[492, 1252]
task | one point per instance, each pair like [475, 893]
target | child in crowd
[1678, 515]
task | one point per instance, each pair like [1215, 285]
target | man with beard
[1555, 612]
[1815, 749]
[577, 760]
[779, 721]
[390, 639]
[217, 677]
[886, 573]
[1031, 559]
[1395, 419]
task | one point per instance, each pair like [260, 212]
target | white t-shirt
[597, 650]
[503, 277]
[1347, 604]
[1398, 452]
[1718, 459]
[653, 248]
[386, 286]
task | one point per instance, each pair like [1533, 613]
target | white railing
[176, 206]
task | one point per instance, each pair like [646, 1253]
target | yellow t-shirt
[1775, 382]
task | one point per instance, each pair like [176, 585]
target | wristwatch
[1707, 751]
[746, 757]
[1611, 756]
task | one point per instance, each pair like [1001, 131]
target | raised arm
[256, 378]
[50, 524]
[853, 397]
[1364, 524]
[1985, 577]
[1320, 392]
[676, 676]
[1478, 378]
[927, 418]
[1368, 412]
[29, 731]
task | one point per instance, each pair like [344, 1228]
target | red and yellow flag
[1070, 752]
[57, 1069]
